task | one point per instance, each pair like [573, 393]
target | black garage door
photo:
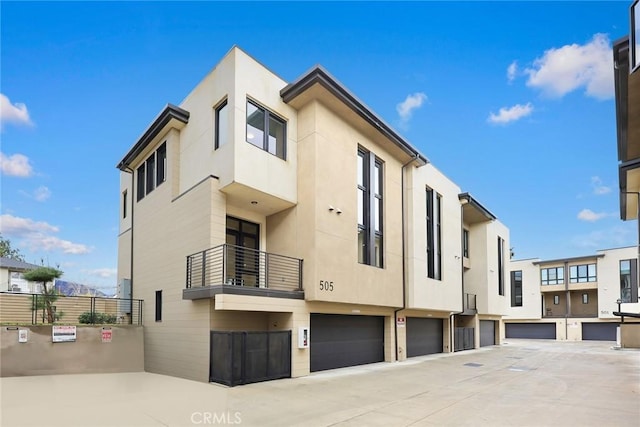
[487, 333]
[337, 341]
[531, 330]
[424, 336]
[599, 331]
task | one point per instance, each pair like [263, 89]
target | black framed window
[434, 234]
[222, 125]
[124, 204]
[152, 172]
[266, 130]
[500, 266]
[556, 300]
[141, 177]
[628, 280]
[582, 273]
[516, 288]
[552, 276]
[465, 243]
[161, 164]
[634, 37]
[158, 306]
[370, 209]
[585, 298]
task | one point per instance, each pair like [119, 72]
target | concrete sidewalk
[521, 383]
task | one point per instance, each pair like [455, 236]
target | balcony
[229, 269]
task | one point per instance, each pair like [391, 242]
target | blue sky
[511, 100]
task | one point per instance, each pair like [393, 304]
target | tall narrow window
[465, 243]
[158, 306]
[370, 209]
[629, 280]
[161, 167]
[222, 125]
[141, 179]
[500, 266]
[124, 204]
[516, 288]
[556, 299]
[434, 234]
[266, 130]
[151, 170]
[585, 298]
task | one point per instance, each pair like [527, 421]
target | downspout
[130, 171]
[567, 304]
[404, 258]
[451, 322]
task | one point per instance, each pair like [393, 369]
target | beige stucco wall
[424, 292]
[630, 335]
[88, 354]
[608, 271]
[531, 296]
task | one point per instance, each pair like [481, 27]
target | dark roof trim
[322, 77]
[169, 113]
[573, 259]
[473, 202]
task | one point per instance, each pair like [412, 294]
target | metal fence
[40, 309]
[239, 266]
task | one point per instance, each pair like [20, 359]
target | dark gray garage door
[599, 331]
[531, 330]
[424, 336]
[487, 333]
[337, 340]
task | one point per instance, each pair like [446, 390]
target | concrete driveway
[521, 383]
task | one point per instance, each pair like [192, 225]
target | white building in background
[12, 276]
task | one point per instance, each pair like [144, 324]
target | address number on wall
[326, 285]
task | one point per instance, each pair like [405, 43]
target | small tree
[45, 275]
[6, 251]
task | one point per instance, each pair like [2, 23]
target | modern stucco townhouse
[573, 298]
[275, 229]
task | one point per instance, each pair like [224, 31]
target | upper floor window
[152, 172]
[552, 276]
[370, 209]
[516, 288]
[124, 204]
[628, 280]
[434, 234]
[266, 130]
[222, 124]
[582, 273]
[465, 243]
[500, 266]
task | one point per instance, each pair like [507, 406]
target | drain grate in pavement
[473, 365]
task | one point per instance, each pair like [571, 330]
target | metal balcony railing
[470, 302]
[239, 266]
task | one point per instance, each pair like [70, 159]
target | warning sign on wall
[107, 334]
[400, 322]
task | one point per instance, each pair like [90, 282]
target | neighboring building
[12, 276]
[276, 228]
[572, 298]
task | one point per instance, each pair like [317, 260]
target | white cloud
[618, 236]
[15, 165]
[13, 113]
[598, 188]
[506, 115]
[41, 194]
[591, 216]
[565, 69]
[406, 108]
[104, 273]
[38, 235]
[512, 71]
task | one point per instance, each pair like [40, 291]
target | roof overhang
[472, 211]
[170, 117]
[319, 76]
[627, 91]
[573, 259]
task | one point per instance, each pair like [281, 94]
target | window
[158, 306]
[552, 276]
[465, 243]
[370, 209]
[434, 234]
[582, 273]
[265, 130]
[585, 298]
[634, 37]
[152, 172]
[500, 266]
[556, 299]
[516, 288]
[222, 125]
[124, 204]
[628, 280]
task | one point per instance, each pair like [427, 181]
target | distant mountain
[72, 289]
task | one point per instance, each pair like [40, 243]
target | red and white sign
[107, 334]
[400, 322]
[63, 333]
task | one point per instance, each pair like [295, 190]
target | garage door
[599, 331]
[337, 340]
[424, 336]
[487, 333]
[531, 330]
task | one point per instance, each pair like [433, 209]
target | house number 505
[326, 285]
